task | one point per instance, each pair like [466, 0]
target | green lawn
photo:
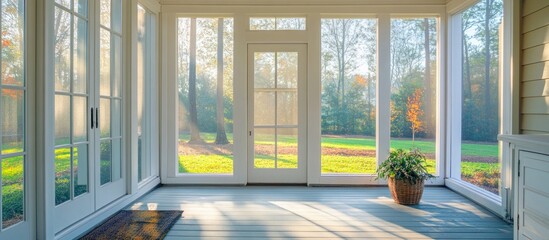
[369, 143]
[223, 164]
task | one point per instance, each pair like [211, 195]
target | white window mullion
[240, 131]
[383, 110]
[314, 99]
[454, 97]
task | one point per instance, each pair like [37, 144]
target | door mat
[138, 224]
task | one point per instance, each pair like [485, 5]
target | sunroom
[220, 108]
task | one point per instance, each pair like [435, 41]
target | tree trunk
[487, 60]
[427, 76]
[342, 76]
[466, 72]
[339, 124]
[195, 133]
[369, 104]
[221, 137]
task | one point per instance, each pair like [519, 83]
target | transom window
[277, 23]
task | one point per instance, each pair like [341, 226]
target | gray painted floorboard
[295, 212]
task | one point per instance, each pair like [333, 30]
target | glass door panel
[110, 165]
[72, 109]
[277, 80]
[14, 161]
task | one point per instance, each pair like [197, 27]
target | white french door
[74, 135]
[109, 174]
[277, 113]
[88, 144]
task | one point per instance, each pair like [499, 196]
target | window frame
[152, 13]
[311, 36]
[500, 204]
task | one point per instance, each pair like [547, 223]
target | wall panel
[534, 78]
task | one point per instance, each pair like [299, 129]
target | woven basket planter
[405, 193]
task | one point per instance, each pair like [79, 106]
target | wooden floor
[282, 212]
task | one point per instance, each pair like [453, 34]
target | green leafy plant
[404, 165]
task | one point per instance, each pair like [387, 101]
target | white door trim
[279, 175]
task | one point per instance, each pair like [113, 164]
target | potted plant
[406, 173]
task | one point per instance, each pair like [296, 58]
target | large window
[414, 85]
[146, 70]
[13, 154]
[480, 119]
[348, 104]
[205, 95]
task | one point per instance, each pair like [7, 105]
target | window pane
[116, 159]
[105, 13]
[480, 163]
[80, 119]
[62, 50]
[105, 117]
[105, 148]
[12, 29]
[290, 23]
[116, 15]
[81, 7]
[80, 56]
[62, 175]
[205, 127]
[265, 148]
[348, 104]
[264, 70]
[105, 62]
[80, 169]
[413, 86]
[264, 104]
[286, 64]
[262, 24]
[287, 110]
[13, 120]
[62, 114]
[116, 118]
[13, 198]
[64, 3]
[116, 71]
[286, 148]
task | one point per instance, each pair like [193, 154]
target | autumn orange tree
[415, 112]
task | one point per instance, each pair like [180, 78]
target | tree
[341, 43]
[195, 134]
[414, 113]
[427, 75]
[221, 137]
